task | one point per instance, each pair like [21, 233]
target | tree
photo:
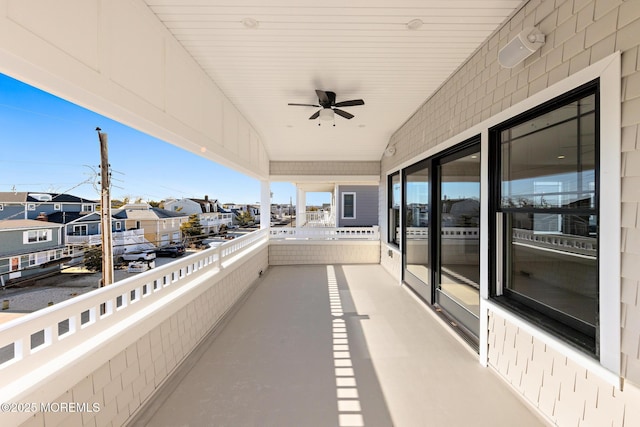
[192, 229]
[93, 258]
[245, 218]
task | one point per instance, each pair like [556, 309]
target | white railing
[216, 219]
[560, 242]
[31, 343]
[96, 239]
[325, 233]
[319, 219]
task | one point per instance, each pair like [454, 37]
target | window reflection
[548, 184]
[549, 162]
[417, 223]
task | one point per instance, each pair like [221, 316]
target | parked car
[137, 255]
[173, 251]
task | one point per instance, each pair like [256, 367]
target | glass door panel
[417, 272]
[458, 254]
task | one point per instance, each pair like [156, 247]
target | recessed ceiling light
[561, 156]
[203, 149]
[474, 157]
[414, 24]
[250, 23]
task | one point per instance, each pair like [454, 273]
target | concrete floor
[340, 345]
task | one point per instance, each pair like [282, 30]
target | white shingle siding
[578, 33]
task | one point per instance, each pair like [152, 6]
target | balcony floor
[340, 345]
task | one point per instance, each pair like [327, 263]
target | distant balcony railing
[318, 219]
[96, 239]
[34, 346]
[216, 219]
[325, 233]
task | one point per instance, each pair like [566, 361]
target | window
[57, 207]
[393, 198]
[80, 230]
[87, 208]
[118, 226]
[348, 205]
[547, 215]
[31, 206]
[35, 236]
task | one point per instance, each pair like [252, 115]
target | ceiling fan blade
[304, 105]
[351, 103]
[323, 98]
[332, 97]
[343, 113]
[315, 115]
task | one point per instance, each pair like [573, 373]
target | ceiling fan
[327, 100]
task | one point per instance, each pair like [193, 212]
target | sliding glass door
[457, 278]
[417, 265]
[441, 233]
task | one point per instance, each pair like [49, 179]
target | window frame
[46, 237]
[553, 321]
[394, 238]
[342, 205]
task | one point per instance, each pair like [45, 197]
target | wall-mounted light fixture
[520, 47]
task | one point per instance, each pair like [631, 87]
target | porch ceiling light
[250, 23]
[414, 24]
[520, 47]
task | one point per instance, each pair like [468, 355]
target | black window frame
[393, 238]
[537, 314]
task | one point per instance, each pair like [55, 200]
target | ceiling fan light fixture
[326, 114]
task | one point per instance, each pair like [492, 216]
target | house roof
[64, 217]
[27, 196]
[17, 224]
[60, 198]
[146, 214]
[13, 197]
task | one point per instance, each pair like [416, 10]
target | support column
[265, 204]
[301, 207]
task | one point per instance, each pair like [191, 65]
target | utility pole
[105, 213]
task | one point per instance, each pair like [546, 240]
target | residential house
[352, 205]
[29, 248]
[210, 212]
[161, 226]
[28, 205]
[357, 205]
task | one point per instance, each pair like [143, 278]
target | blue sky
[48, 144]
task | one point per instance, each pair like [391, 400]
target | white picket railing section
[325, 233]
[318, 219]
[29, 344]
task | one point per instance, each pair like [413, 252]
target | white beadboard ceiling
[360, 49]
